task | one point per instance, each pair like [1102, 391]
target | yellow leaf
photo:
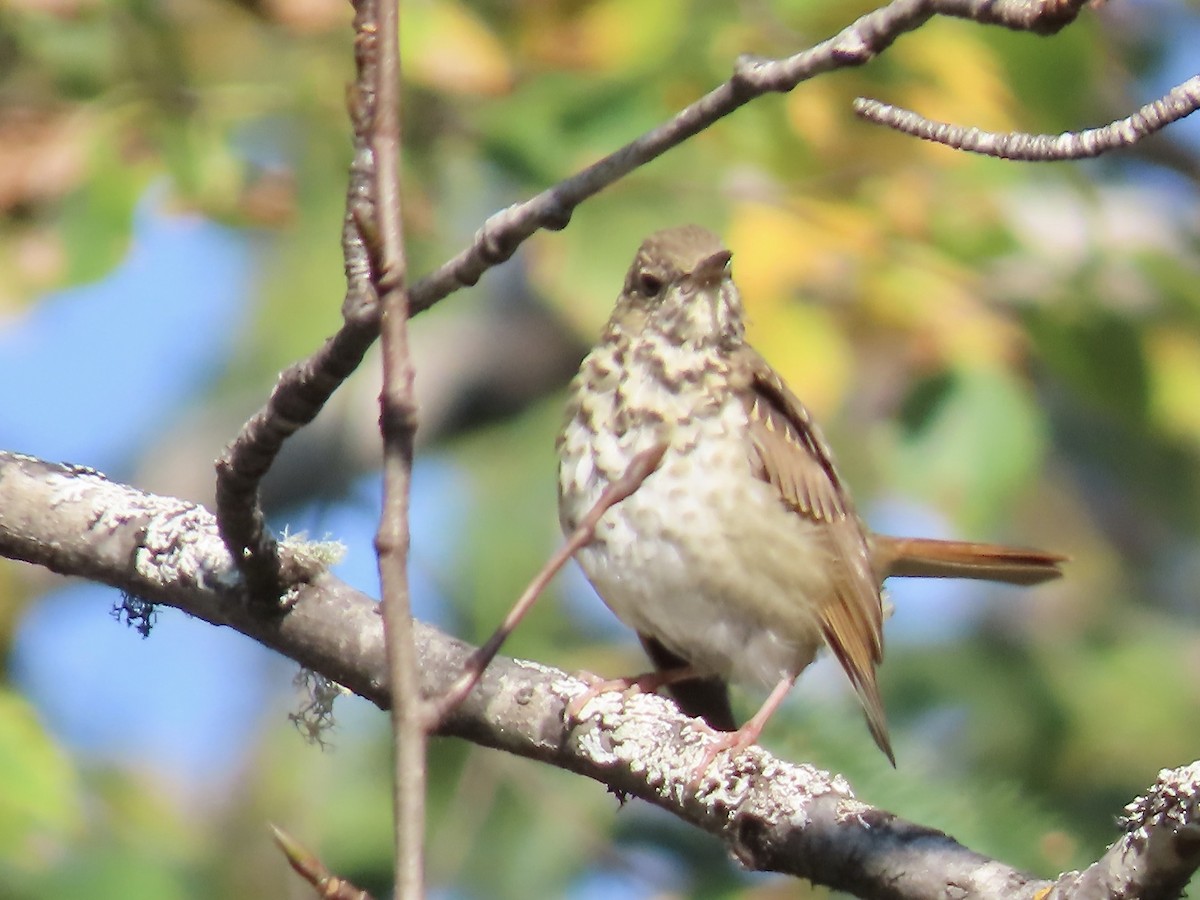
[1174, 359]
[805, 346]
[906, 199]
[605, 36]
[620, 34]
[770, 249]
[447, 47]
[809, 246]
[817, 114]
[777, 254]
[936, 303]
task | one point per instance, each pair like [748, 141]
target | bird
[741, 555]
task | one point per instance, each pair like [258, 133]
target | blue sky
[186, 700]
[86, 376]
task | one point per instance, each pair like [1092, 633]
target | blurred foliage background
[996, 350]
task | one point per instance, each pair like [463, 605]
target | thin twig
[855, 45]
[398, 422]
[640, 468]
[304, 388]
[327, 885]
[1182, 100]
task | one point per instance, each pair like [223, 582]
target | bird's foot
[737, 741]
[641, 684]
[733, 741]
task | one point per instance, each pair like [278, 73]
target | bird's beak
[712, 270]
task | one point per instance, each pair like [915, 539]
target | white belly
[712, 565]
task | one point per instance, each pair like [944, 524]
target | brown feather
[794, 456]
[789, 452]
[927, 558]
[866, 686]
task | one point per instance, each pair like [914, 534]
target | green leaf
[973, 438]
[1099, 354]
[97, 219]
[40, 803]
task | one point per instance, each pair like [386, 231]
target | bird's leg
[645, 683]
[739, 740]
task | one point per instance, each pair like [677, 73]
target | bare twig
[855, 45]
[303, 389]
[640, 468]
[1182, 100]
[773, 815]
[398, 422]
[327, 885]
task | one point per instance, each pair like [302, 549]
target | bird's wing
[788, 451]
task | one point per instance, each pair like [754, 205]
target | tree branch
[1182, 100]
[640, 468]
[303, 389]
[500, 236]
[772, 814]
[1159, 851]
[398, 422]
[309, 867]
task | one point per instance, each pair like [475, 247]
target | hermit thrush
[741, 555]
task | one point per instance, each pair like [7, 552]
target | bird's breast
[703, 555]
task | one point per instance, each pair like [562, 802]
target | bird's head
[680, 286]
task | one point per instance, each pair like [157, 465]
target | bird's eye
[650, 284]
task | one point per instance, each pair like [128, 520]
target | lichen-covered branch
[1159, 851]
[772, 814]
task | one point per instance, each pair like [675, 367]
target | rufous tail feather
[927, 558]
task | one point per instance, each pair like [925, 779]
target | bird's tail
[927, 558]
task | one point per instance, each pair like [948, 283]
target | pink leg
[739, 740]
[645, 683]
